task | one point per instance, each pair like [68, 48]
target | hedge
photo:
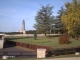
[30, 46]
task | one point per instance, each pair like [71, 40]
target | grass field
[52, 42]
[52, 58]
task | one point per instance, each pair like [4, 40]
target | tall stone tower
[23, 27]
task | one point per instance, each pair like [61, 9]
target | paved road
[71, 58]
[17, 52]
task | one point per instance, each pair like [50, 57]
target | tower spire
[23, 27]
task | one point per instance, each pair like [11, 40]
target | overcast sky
[12, 12]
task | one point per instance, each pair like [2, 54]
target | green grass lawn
[53, 57]
[52, 42]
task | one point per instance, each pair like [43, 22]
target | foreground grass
[52, 42]
[61, 56]
[21, 59]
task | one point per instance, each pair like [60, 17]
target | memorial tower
[23, 27]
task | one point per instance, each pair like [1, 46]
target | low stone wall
[1, 44]
[31, 35]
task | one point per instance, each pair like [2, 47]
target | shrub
[63, 39]
[35, 36]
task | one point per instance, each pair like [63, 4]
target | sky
[13, 12]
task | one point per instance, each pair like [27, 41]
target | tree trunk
[45, 34]
[76, 37]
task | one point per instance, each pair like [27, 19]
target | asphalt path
[11, 50]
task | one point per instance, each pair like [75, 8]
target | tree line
[67, 21]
